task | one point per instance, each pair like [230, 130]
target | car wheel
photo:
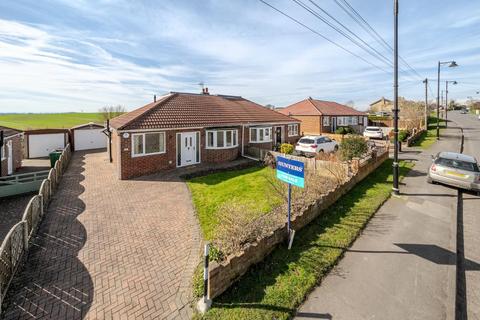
[321, 151]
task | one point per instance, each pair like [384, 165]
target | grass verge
[430, 136]
[247, 186]
[274, 288]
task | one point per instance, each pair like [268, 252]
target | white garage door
[89, 139]
[40, 145]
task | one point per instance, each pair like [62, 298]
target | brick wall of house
[17, 154]
[143, 165]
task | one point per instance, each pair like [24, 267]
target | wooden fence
[16, 242]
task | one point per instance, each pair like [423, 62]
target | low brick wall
[222, 275]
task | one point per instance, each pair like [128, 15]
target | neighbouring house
[382, 105]
[11, 151]
[318, 116]
[182, 129]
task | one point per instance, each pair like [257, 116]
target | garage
[39, 143]
[89, 136]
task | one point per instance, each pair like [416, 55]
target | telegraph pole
[446, 104]
[426, 103]
[395, 103]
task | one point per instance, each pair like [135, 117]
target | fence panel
[45, 192]
[11, 252]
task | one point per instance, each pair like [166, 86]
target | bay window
[261, 134]
[148, 143]
[222, 138]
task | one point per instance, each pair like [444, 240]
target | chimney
[205, 91]
[154, 98]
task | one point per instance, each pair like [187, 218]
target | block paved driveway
[109, 249]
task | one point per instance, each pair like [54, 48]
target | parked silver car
[455, 169]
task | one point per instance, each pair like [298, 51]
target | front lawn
[430, 136]
[247, 186]
[274, 288]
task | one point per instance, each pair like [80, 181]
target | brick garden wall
[223, 275]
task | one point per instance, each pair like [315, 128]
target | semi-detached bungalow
[183, 129]
[318, 116]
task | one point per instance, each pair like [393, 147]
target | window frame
[295, 130]
[234, 135]
[326, 121]
[3, 150]
[263, 129]
[143, 154]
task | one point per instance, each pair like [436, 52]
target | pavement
[404, 265]
[109, 249]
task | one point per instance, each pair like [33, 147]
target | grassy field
[24, 121]
[274, 288]
[247, 186]
[428, 138]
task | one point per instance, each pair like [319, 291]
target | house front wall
[309, 124]
[16, 154]
[130, 167]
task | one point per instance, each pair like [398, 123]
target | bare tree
[110, 112]
[412, 113]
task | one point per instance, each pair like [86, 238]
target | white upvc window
[222, 139]
[326, 120]
[292, 130]
[346, 121]
[360, 120]
[340, 121]
[149, 143]
[261, 134]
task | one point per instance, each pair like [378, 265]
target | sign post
[291, 172]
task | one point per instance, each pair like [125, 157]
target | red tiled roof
[312, 107]
[180, 110]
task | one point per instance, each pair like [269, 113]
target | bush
[353, 147]
[344, 130]
[286, 148]
[402, 135]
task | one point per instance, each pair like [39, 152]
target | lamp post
[426, 103]
[395, 189]
[446, 100]
[452, 64]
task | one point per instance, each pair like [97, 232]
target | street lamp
[452, 64]
[446, 100]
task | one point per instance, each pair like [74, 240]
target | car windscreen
[457, 164]
[306, 141]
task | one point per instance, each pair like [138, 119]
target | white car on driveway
[311, 145]
[373, 132]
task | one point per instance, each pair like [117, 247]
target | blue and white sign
[291, 171]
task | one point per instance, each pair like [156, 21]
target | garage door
[40, 145]
[85, 139]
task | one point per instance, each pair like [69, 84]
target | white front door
[188, 142]
[10, 157]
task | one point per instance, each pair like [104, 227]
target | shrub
[402, 135]
[344, 130]
[286, 148]
[353, 147]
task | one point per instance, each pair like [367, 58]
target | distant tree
[110, 112]
[350, 103]
[412, 113]
[270, 106]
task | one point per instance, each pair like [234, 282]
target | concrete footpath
[403, 266]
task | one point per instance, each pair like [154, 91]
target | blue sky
[65, 55]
